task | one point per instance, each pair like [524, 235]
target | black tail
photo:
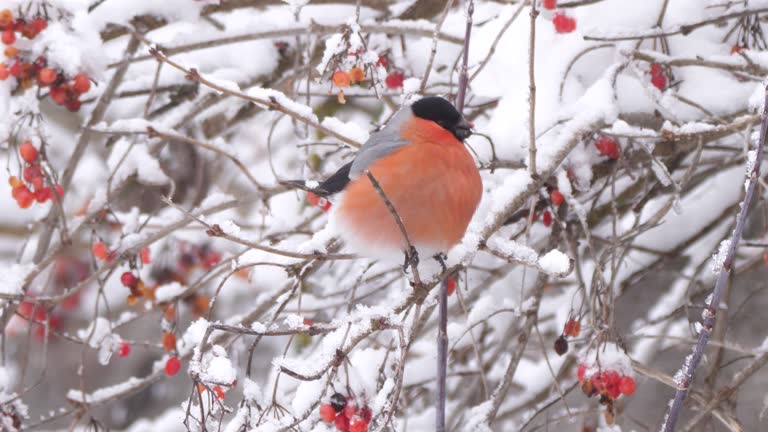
[332, 185]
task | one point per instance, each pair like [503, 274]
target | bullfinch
[421, 164]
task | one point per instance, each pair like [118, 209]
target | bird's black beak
[463, 129]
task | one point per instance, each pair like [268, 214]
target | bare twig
[685, 377]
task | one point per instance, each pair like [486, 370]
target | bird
[423, 168]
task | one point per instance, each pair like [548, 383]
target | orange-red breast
[430, 178]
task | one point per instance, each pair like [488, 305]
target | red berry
[350, 410]
[82, 83]
[40, 24]
[16, 69]
[145, 259]
[123, 350]
[451, 286]
[627, 385]
[546, 218]
[4, 72]
[611, 380]
[327, 413]
[656, 69]
[581, 372]
[99, 250]
[58, 95]
[73, 105]
[172, 366]
[43, 194]
[572, 328]
[556, 197]
[366, 414]
[8, 37]
[382, 61]
[394, 80]
[607, 146]
[357, 424]
[32, 172]
[342, 423]
[46, 76]
[549, 4]
[28, 152]
[563, 23]
[128, 279]
[312, 198]
[659, 81]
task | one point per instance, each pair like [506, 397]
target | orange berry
[356, 75]
[28, 152]
[170, 313]
[169, 341]
[172, 366]
[341, 79]
[99, 250]
[11, 51]
[6, 17]
[4, 72]
[15, 182]
[132, 300]
[219, 392]
[82, 83]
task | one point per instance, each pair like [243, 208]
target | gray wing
[381, 143]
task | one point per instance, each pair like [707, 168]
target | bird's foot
[411, 259]
[440, 258]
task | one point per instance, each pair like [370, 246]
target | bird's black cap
[443, 113]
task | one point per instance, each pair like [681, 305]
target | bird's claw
[411, 259]
[440, 258]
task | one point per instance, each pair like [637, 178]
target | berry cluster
[607, 146]
[37, 315]
[608, 383]
[345, 414]
[21, 65]
[562, 22]
[34, 189]
[342, 79]
[658, 77]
